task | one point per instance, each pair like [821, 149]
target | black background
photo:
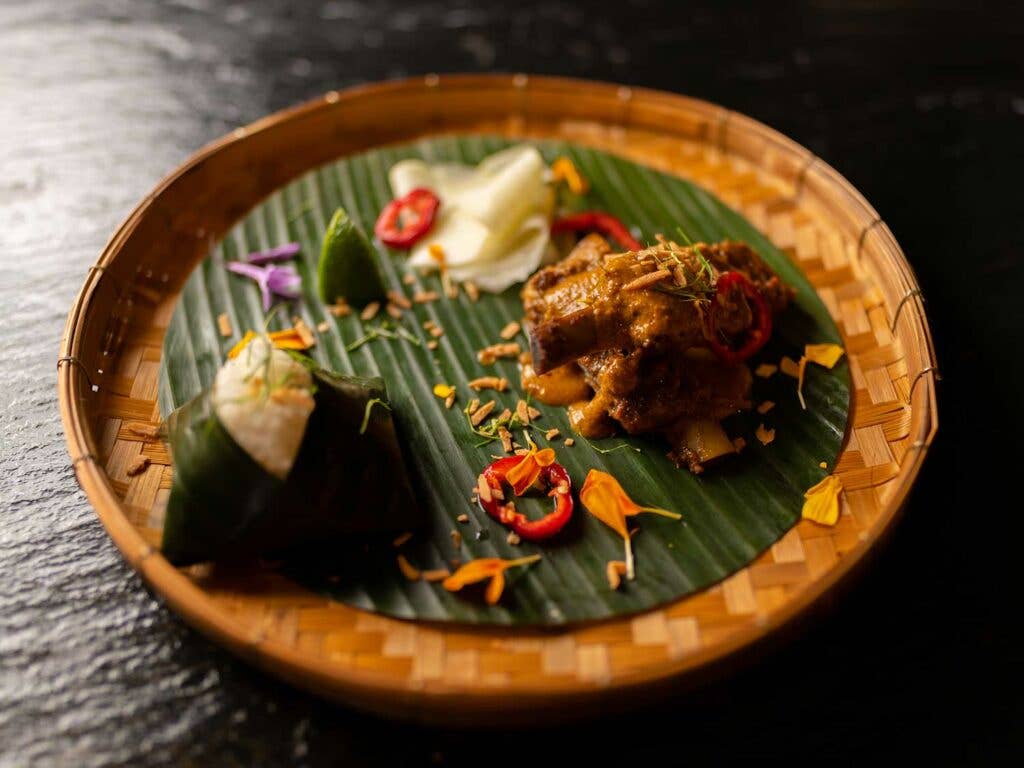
[920, 106]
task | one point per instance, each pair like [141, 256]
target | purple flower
[272, 280]
[280, 253]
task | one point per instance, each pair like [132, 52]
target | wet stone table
[922, 109]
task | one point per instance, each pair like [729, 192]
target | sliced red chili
[553, 475]
[597, 221]
[759, 332]
[407, 219]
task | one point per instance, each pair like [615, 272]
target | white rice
[265, 405]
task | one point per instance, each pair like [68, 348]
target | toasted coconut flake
[463, 518]
[826, 355]
[766, 406]
[304, 331]
[505, 416]
[399, 541]
[137, 466]
[615, 571]
[399, 300]
[521, 451]
[471, 290]
[438, 574]
[473, 405]
[513, 538]
[646, 281]
[506, 439]
[409, 279]
[370, 311]
[410, 571]
[552, 433]
[393, 310]
[739, 444]
[432, 344]
[144, 430]
[569, 442]
[533, 413]
[428, 324]
[522, 412]
[451, 290]
[822, 465]
[764, 435]
[489, 382]
[765, 370]
[436, 331]
[790, 367]
[323, 326]
[456, 536]
[450, 400]
[488, 355]
[481, 413]
[224, 324]
[483, 489]
[510, 330]
[821, 501]
[443, 390]
[340, 308]
[422, 297]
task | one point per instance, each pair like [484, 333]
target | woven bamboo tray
[110, 356]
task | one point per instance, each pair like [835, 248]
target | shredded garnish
[766, 406]
[488, 355]
[402, 539]
[478, 570]
[765, 370]
[615, 570]
[606, 500]
[790, 367]
[410, 571]
[563, 169]
[764, 434]
[369, 407]
[510, 330]
[224, 324]
[370, 311]
[821, 503]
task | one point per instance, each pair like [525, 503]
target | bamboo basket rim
[374, 687]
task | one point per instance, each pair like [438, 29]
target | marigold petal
[495, 588]
[822, 501]
[826, 355]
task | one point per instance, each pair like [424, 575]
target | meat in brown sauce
[638, 335]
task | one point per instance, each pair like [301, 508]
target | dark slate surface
[922, 108]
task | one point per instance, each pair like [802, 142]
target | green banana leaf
[347, 479]
[731, 513]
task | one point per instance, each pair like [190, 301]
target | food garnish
[289, 338]
[279, 253]
[536, 468]
[137, 466]
[606, 500]
[489, 355]
[563, 169]
[825, 355]
[272, 280]
[765, 370]
[478, 570]
[224, 325]
[764, 434]
[764, 407]
[757, 335]
[493, 220]
[510, 330]
[615, 570]
[821, 501]
[406, 219]
[347, 264]
[597, 221]
[499, 383]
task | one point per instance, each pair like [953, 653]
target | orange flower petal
[242, 344]
[495, 588]
[485, 568]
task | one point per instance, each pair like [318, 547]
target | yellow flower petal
[242, 344]
[826, 355]
[790, 367]
[443, 390]
[563, 169]
[822, 501]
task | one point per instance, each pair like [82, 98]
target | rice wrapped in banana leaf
[281, 455]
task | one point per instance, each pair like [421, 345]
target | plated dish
[111, 358]
[550, 366]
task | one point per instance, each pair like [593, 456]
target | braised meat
[634, 326]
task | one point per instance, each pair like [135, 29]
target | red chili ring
[597, 221]
[422, 204]
[554, 475]
[757, 336]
